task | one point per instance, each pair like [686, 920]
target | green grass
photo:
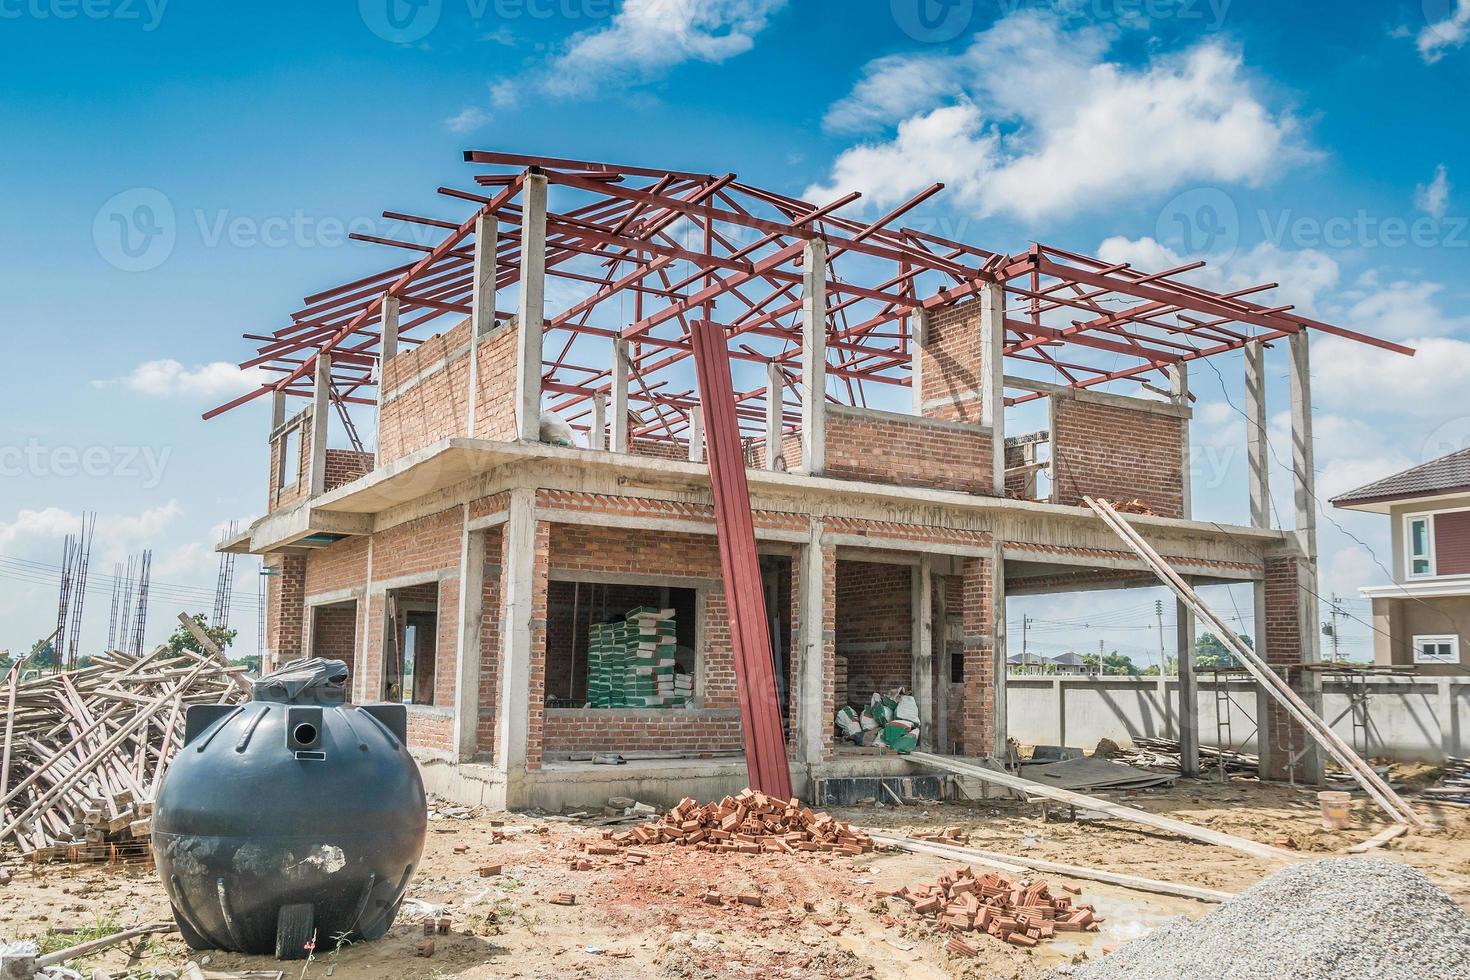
[59, 939]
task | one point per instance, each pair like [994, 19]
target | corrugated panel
[1452, 543]
[755, 676]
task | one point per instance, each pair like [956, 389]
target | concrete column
[696, 434]
[998, 652]
[922, 606]
[775, 389]
[1255, 435]
[387, 349]
[518, 572]
[1188, 689]
[992, 379]
[943, 674]
[1304, 487]
[620, 368]
[1179, 395]
[597, 437]
[467, 649]
[321, 404]
[1265, 747]
[814, 357]
[531, 321]
[813, 669]
[482, 309]
[918, 340]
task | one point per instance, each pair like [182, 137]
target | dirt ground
[634, 921]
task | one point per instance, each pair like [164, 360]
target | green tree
[1210, 653]
[1114, 663]
[250, 663]
[182, 639]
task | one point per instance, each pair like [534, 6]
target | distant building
[1423, 618]
[1070, 662]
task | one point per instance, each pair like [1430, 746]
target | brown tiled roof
[1444, 475]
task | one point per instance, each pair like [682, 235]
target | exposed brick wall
[278, 496]
[826, 648]
[490, 620]
[660, 448]
[649, 730]
[495, 409]
[346, 465]
[340, 565]
[884, 448]
[536, 688]
[285, 614]
[433, 408]
[1117, 453]
[334, 635]
[874, 628]
[976, 722]
[1284, 735]
[950, 362]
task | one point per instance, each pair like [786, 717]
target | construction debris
[86, 750]
[1343, 917]
[751, 822]
[1019, 914]
[1163, 754]
[1454, 785]
[1134, 506]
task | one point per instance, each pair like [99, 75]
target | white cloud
[1355, 376]
[1434, 198]
[1063, 129]
[33, 533]
[1441, 36]
[1306, 275]
[1400, 309]
[467, 120]
[168, 377]
[646, 38]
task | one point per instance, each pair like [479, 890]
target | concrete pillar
[597, 435]
[992, 379]
[387, 349]
[531, 322]
[816, 588]
[482, 309]
[1188, 689]
[1257, 460]
[696, 434]
[1179, 395]
[1304, 493]
[775, 389]
[467, 649]
[321, 403]
[922, 606]
[814, 357]
[517, 587]
[1265, 747]
[943, 675]
[620, 366]
[918, 340]
[278, 410]
[998, 653]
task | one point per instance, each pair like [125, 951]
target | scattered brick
[563, 898]
[750, 823]
[424, 947]
[959, 901]
[489, 870]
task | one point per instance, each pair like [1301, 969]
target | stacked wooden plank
[1454, 785]
[1163, 753]
[85, 750]
[752, 823]
[959, 902]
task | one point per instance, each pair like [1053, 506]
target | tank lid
[310, 680]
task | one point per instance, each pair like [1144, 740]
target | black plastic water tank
[291, 819]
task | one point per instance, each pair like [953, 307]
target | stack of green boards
[630, 664]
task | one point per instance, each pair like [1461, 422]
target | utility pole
[1025, 626]
[1330, 629]
[1159, 612]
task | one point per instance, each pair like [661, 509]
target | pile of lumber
[1454, 785]
[1163, 754]
[959, 902]
[752, 823]
[85, 750]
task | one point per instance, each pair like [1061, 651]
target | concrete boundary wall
[1413, 719]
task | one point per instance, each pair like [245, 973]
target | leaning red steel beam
[755, 677]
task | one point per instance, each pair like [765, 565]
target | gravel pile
[1333, 919]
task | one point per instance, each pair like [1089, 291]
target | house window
[1420, 539]
[1436, 649]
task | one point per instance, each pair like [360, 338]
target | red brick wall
[334, 636]
[885, 448]
[976, 723]
[1117, 453]
[950, 362]
[340, 565]
[346, 465]
[661, 448]
[278, 496]
[648, 730]
[874, 627]
[490, 647]
[1283, 650]
[536, 687]
[285, 613]
[495, 409]
[432, 409]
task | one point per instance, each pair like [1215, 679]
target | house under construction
[921, 419]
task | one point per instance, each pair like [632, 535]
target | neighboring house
[1423, 618]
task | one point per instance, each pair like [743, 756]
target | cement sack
[556, 430]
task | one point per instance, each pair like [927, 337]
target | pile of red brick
[752, 823]
[959, 902]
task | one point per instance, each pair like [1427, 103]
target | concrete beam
[814, 357]
[321, 402]
[811, 720]
[992, 379]
[1188, 712]
[696, 434]
[482, 311]
[620, 366]
[597, 435]
[922, 606]
[531, 321]
[775, 389]
[518, 575]
[1303, 468]
[1257, 461]
[918, 340]
[467, 647]
[1179, 395]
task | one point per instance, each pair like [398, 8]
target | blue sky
[1314, 144]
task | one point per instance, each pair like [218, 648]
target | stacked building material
[606, 664]
[752, 823]
[1454, 785]
[85, 750]
[1022, 915]
[630, 663]
[1163, 754]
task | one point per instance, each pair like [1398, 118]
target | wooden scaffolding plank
[1372, 783]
